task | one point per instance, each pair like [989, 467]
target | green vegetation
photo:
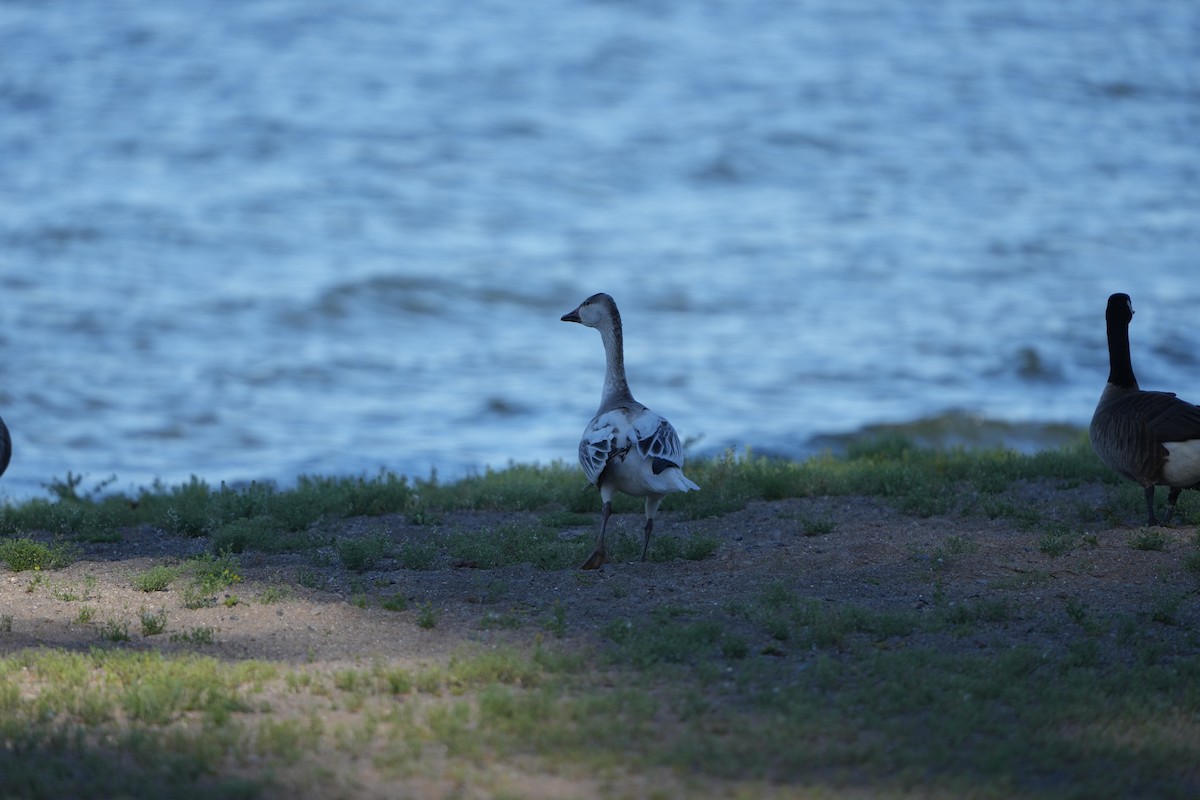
[262, 517]
[768, 690]
[679, 694]
[26, 554]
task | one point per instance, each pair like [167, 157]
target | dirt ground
[871, 556]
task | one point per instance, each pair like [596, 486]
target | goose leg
[1150, 516]
[598, 557]
[646, 542]
[652, 502]
[1172, 498]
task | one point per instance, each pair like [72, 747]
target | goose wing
[630, 426]
[657, 441]
[605, 436]
[1164, 416]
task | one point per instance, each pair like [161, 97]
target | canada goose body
[1151, 438]
[5, 447]
[626, 447]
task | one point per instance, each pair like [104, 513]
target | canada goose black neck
[1117, 317]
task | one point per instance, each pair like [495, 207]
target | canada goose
[1152, 438]
[626, 447]
[5, 446]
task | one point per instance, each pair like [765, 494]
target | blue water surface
[261, 239]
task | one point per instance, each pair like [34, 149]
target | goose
[1151, 438]
[5, 446]
[626, 447]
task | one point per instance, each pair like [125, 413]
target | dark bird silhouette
[1152, 438]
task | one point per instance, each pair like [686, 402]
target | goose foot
[597, 559]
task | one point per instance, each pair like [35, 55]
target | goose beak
[572, 316]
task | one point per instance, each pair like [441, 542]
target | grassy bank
[1025, 686]
[918, 481]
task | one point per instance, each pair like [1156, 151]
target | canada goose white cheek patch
[1183, 463]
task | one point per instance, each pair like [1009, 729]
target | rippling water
[259, 239]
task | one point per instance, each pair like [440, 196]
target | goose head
[598, 311]
[1120, 309]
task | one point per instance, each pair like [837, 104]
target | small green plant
[156, 579]
[1165, 607]
[1191, 562]
[1056, 543]
[816, 526]
[86, 614]
[308, 578]
[1149, 539]
[700, 546]
[507, 621]
[193, 598]
[214, 573]
[113, 631]
[153, 622]
[202, 635]
[396, 602]
[231, 600]
[421, 515]
[273, 594]
[427, 618]
[6, 623]
[557, 624]
[418, 555]
[734, 647]
[1076, 610]
[362, 554]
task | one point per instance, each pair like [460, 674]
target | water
[263, 239]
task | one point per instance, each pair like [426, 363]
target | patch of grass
[212, 574]
[273, 594]
[427, 617]
[114, 631]
[557, 623]
[265, 534]
[361, 554]
[27, 554]
[1058, 540]
[418, 555]
[396, 602]
[506, 621]
[1191, 562]
[816, 526]
[1149, 539]
[153, 622]
[308, 578]
[200, 635]
[515, 544]
[978, 610]
[156, 579]
[699, 546]
[663, 638]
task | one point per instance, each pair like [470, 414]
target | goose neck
[615, 386]
[1120, 366]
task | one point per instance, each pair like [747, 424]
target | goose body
[5, 447]
[1151, 438]
[626, 447]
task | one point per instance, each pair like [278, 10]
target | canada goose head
[1120, 309]
[598, 311]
